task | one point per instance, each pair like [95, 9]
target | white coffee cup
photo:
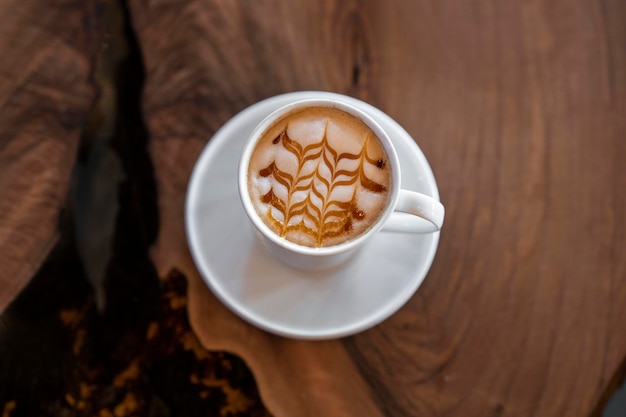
[406, 211]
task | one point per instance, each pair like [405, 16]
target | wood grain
[520, 108]
[45, 94]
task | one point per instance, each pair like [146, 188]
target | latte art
[319, 177]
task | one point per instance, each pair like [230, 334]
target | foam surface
[319, 177]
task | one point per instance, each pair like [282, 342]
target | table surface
[520, 108]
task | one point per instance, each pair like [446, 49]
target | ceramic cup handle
[415, 213]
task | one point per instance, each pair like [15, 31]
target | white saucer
[373, 285]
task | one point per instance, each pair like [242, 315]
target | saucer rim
[238, 307]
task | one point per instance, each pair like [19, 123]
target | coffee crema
[319, 177]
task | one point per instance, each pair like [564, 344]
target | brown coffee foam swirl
[315, 198]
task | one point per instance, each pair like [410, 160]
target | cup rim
[342, 247]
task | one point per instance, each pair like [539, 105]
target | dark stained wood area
[519, 106]
[45, 95]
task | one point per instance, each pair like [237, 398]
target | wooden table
[520, 108]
